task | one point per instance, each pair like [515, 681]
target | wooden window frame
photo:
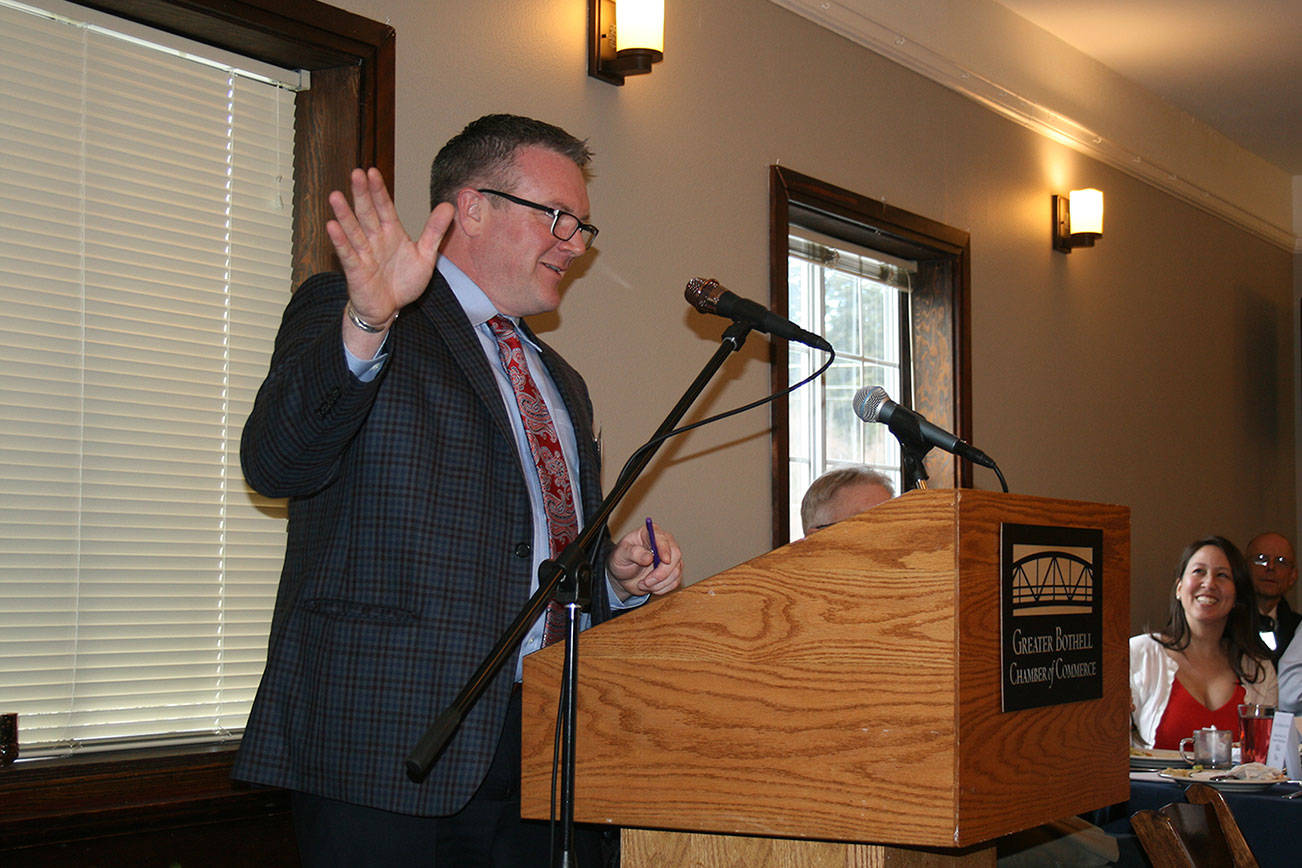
[345, 120]
[939, 303]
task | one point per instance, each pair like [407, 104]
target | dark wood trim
[297, 34]
[325, 115]
[963, 357]
[142, 807]
[885, 222]
[780, 441]
[129, 807]
[945, 253]
[58, 800]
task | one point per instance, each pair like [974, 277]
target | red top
[1184, 714]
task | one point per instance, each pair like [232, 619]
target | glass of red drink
[1257, 721]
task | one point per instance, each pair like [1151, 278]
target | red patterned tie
[558, 499]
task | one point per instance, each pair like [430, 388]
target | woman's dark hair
[1241, 640]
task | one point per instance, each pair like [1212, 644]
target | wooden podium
[838, 695]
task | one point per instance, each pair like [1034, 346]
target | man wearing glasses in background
[1274, 571]
[434, 452]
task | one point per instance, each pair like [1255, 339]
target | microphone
[872, 404]
[707, 296]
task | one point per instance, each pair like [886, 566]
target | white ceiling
[1234, 64]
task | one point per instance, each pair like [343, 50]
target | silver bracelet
[362, 324]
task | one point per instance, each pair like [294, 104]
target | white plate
[1184, 776]
[1156, 759]
[1152, 764]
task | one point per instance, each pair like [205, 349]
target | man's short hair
[826, 486]
[483, 154]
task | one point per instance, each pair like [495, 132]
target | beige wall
[1155, 371]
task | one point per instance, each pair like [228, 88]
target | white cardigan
[1290, 679]
[1152, 672]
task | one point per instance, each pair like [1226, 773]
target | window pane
[841, 312]
[798, 293]
[844, 441]
[856, 299]
[800, 480]
[881, 449]
[878, 305]
[798, 406]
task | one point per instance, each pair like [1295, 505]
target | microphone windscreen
[703, 294]
[868, 402]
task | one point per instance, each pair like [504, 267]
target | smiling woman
[1208, 658]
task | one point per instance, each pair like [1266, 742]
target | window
[860, 303]
[146, 245]
[345, 120]
[888, 289]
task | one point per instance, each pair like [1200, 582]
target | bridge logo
[1057, 580]
[1051, 614]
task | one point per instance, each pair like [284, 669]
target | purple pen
[651, 535]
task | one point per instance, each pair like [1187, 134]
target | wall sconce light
[624, 38]
[1077, 219]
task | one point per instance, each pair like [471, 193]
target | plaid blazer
[408, 550]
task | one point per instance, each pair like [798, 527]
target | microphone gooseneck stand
[917, 436]
[569, 579]
[913, 449]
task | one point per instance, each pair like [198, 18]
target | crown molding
[932, 60]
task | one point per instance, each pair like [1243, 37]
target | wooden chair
[1201, 794]
[1199, 833]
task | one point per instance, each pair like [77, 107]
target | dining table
[1271, 823]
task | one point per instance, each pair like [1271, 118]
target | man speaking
[434, 452]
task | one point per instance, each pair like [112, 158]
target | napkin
[1253, 772]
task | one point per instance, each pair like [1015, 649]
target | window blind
[144, 262]
[849, 258]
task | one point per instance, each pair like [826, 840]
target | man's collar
[471, 298]
[479, 309]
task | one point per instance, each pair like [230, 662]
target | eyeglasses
[564, 224]
[1262, 560]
